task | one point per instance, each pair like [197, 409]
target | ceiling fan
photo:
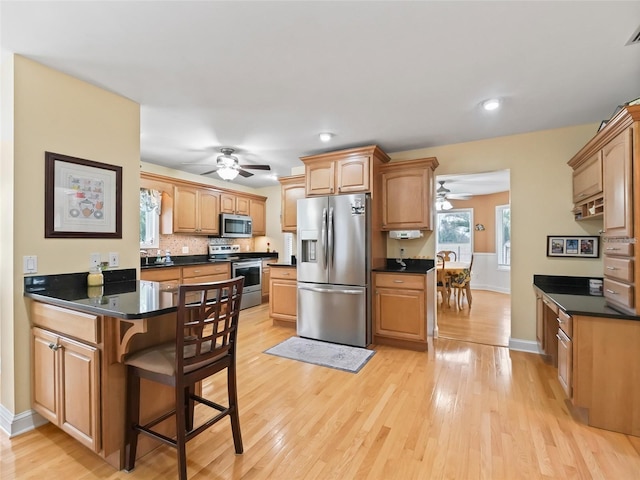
[444, 193]
[228, 166]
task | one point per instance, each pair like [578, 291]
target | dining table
[451, 269]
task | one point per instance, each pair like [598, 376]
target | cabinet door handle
[613, 292]
[612, 268]
[55, 347]
[285, 273]
[612, 248]
[398, 281]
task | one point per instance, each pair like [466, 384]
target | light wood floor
[459, 411]
[488, 321]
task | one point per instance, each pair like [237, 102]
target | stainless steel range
[250, 269]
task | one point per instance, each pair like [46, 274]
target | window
[503, 235]
[149, 218]
[454, 232]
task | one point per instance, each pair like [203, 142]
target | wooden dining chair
[460, 285]
[206, 336]
[441, 279]
[449, 255]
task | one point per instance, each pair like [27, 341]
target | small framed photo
[573, 246]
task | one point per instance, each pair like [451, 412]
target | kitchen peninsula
[80, 337]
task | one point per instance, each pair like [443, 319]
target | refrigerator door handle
[331, 290]
[330, 236]
[323, 236]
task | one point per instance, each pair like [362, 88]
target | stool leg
[181, 430]
[133, 418]
[233, 407]
[190, 406]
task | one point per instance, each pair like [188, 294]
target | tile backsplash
[198, 245]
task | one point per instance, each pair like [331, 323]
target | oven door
[252, 273]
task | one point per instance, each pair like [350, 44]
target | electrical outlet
[94, 260]
[113, 259]
[30, 264]
[185, 249]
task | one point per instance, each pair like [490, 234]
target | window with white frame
[149, 218]
[454, 232]
[503, 235]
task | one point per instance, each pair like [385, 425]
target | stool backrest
[207, 323]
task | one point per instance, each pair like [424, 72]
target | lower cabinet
[565, 352]
[266, 275]
[214, 272]
[400, 310]
[283, 296]
[66, 379]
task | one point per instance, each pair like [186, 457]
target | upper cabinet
[344, 171]
[293, 188]
[258, 213]
[237, 204]
[195, 211]
[617, 147]
[407, 194]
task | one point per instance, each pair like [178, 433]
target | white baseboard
[524, 345]
[14, 425]
[491, 288]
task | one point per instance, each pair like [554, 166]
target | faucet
[400, 261]
[145, 254]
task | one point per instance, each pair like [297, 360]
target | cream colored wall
[58, 113]
[541, 205]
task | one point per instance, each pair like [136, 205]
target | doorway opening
[474, 220]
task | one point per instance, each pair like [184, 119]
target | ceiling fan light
[491, 104]
[227, 173]
[443, 204]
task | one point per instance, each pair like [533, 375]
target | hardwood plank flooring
[488, 321]
[458, 411]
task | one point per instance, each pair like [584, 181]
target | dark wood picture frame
[581, 246]
[82, 198]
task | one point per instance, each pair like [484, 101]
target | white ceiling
[267, 77]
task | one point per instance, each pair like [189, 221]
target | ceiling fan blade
[210, 171]
[244, 173]
[459, 196]
[256, 167]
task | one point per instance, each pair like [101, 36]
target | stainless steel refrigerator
[333, 265]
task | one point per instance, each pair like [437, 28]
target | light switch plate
[114, 259]
[30, 264]
[185, 249]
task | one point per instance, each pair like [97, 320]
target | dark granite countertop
[413, 265]
[186, 260]
[122, 296]
[282, 265]
[573, 296]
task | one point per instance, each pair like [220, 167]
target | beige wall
[484, 212]
[541, 205]
[58, 113]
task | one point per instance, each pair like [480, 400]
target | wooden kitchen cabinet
[587, 179]
[236, 204]
[293, 188]
[283, 296]
[258, 213]
[618, 146]
[400, 316]
[162, 274]
[266, 276]
[214, 272]
[618, 206]
[196, 211]
[407, 194]
[344, 171]
[66, 372]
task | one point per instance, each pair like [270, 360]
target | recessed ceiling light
[491, 104]
[326, 136]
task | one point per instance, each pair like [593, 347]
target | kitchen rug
[332, 355]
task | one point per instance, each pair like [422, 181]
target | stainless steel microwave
[235, 226]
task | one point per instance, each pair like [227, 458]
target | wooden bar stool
[206, 333]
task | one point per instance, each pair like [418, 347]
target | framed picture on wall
[573, 246]
[83, 198]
